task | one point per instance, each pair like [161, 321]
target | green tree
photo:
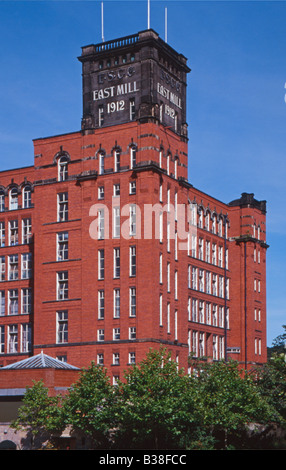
[229, 400]
[40, 415]
[89, 406]
[157, 406]
[271, 383]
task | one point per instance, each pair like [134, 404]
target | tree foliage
[159, 406]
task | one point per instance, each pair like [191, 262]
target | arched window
[13, 203]
[62, 168]
[2, 201]
[27, 197]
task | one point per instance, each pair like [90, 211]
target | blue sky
[236, 94]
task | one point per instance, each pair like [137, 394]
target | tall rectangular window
[62, 246]
[100, 304]
[13, 272]
[101, 163]
[2, 339]
[2, 268]
[26, 266]
[26, 231]
[116, 160]
[116, 262]
[132, 157]
[132, 302]
[62, 207]
[26, 301]
[100, 116]
[100, 335]
[13, 302]
[26, 338]
[2, 303]
[132, 219]
[100, 264]
[116, 219]
[13, 232]
[132, 261]
[2, 234]
[62, 327]
[132, 109]
[116, 303]
[13, 338]
[100, 224]
[62, 285]
[2, 201]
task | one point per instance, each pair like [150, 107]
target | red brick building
[108, 250]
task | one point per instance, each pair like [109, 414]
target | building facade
[107, 250]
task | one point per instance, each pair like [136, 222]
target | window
[132, 260]
[161, 309]
[26, 267]
[100, 304]
[100, 224]
[2, 339]
[168, 317]
[215, 347]
[62, 285]
[13, 272]
[132, 219]
[116, 359]
[62, 168]
[101, 163]
[132, 332]
[62, 246]
[132, 157]
[132, 109]
[116, 334]
[132, 302]
[220, 256]
[214, 284]
[208, 282]
[100, 359]
[161, 268]
[201, 311]
[132, 358]
[12, 339]
[195, 343]
[201, 280]
[194, 310]
[2, 201]
[13, 232]
[208, 313]
[168, 277]
[214, 253]
[201, 346]
[100, 116]
[101, 192]
[2, 234]
[62, 327]
[116, 262]
[116, 160]
[62, 207]
[13, 201]
[116, 303]
[100, 264]
[100, 335]
[176, 285]
[116, 190]
[2, 303]
[2, 268]
[116, 218]
[194, 278]
[26, 301]
[215, 323]
[26, 338]
[27, 197]
[201, 249]
[132, 187]
[26, 231]
[176, 325]
[13, 302]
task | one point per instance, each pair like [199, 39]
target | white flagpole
[166, 24]
[148, 14]
[102, 31]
